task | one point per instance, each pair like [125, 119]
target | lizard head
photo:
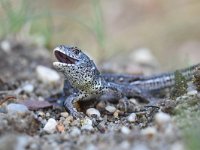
[76, 66]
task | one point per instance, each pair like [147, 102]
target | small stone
[50, 126]
[87, 124]
[64, 114]
[116, 114]
[87, 127]
[69, 119]
[192, 93]
[16, 108]
[110, 109]
[47, 75]
[86, 121]
[41, 113]
[132, 117]
[162, 118]
[48, 114]
[149, 132]
[75, 132]
[28, 88]
[92, 111]
[5, 46]
[125, 130]
[60, 127]
[144, 56]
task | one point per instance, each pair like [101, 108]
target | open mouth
[63, 58]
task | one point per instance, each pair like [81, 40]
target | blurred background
[109, 30]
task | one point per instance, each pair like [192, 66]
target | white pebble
[125, 130]
[132, 117]
[110, 109]
[47, 75]
[28, 88]
[162, 118]
[87, 121]
[50, 126]
[75, 132]
[16, 108]
[93, 111]
[144, 56]
[87, 124]
[192, 93]
[5, 46]
[64, 114]
[87, 127]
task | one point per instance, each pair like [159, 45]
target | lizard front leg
[71, 100]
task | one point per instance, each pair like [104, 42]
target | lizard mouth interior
[63, 58]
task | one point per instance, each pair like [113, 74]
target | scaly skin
[86, 82]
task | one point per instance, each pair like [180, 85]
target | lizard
[86, 81]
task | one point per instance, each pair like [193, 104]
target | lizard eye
[76, 50]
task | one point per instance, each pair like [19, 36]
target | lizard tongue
[64, 58]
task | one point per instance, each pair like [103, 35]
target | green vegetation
[196, 80]
[180, 87]
[19, 18]
[16, 18]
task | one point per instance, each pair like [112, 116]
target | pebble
[132, 117]
[116, 114]
[60, 127]
[47, 75]
[125, 130]
[192, 93]
[110, 109]
[50, 126]
[162, 118]
[16, 108]
[48, 114]
[64, 114]
[92, 111]
[28, 88]
[75, 132]
[149, 132]
[144, 56]
[87, 127]
[41, 113]
[5, 46]
[87, 124]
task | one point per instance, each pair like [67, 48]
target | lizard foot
[76, 114]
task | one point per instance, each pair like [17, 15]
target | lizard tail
[165, 80]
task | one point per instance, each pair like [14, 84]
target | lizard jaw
[64, 58]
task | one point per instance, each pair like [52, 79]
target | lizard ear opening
[63, 58]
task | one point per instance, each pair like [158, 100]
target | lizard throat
[63, 58]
